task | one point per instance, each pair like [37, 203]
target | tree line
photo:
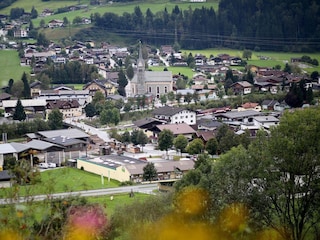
[290, 25]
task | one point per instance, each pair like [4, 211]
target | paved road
[89, 129]
[143, 188]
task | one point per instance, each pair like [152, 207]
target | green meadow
[273, 58]
[175, 70]
[62, 180]
[10, 66]
[117, 8]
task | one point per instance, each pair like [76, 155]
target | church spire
[140, 59]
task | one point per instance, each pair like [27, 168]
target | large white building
[175, 115]
[149, 82]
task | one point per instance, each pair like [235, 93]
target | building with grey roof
[68, 133]
[122, 168]
[175, 115]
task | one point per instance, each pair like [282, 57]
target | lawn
[62, 180]
[118, 200]
[176, 70]
[274, 58]
[10, 66]
[117, 8]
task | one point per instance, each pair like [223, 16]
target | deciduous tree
[180, 143]
[165, 140]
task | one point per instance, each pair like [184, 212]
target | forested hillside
[6, 3]
[264, 24]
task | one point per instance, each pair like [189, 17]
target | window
[165, 90]
[150, 89]
[158, 90]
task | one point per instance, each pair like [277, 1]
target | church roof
[155, 76]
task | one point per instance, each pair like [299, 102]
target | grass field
[274, 58]
[110, 206]
[176, 70]
[118, 8]
[10, 66]
[62, 180]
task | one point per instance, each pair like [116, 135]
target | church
[145, 82]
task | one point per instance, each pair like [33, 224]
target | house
[265, 122]
[175, 115]
[270, 105]
[96, 86]
[238, 118]
[205, 136]
[69, 108]
[250, 106]
[35, 88]
[31, 106]
[54, 23]
[82, 96]
[208, 124]
[148, 124]
[177, 129]
[242, 87]
[20, 33]
[11, 149]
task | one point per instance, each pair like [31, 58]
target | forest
[266, 25]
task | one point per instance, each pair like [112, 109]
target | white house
[175, 115]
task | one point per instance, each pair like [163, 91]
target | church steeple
[141, 89]
[141, 63]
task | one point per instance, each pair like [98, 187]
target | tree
[26, 87]
[125, 137]
[165, 140]
[171, 96]
[314, 75]
[122, 81]
[196, 146]
[42, 40]
[77, 20]
[90, 110]
[19, 113]
[180, 143]
[34, 13]
[115, 116]
[142, 139]
[55, 119]
[65, 21]
[188, 97]
[163, 99]
[212, 146]
[149, 172]
[247, 54]
[130, 72]
[277, 178]
[195, 97]
[42, 23]
[10, 84]
[178, 97]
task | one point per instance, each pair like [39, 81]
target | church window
[158, 90]
[150, 89]
[165, 90]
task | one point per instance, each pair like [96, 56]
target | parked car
[52, 165]
[43, 165]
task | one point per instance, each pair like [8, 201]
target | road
[143, 188]
[88, 129]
